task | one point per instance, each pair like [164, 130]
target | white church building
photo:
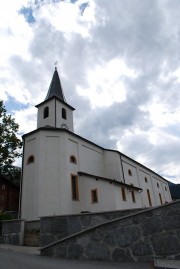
[64, 173]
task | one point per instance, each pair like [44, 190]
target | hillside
[175, 190]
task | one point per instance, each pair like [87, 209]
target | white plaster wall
[128, 203]
[54, 177]
[146, 186]
[91, 159]
[47, 182]
[41, 122]
[55, 115]
[109, 196]
[105, 191]
[127, 164]
[166, 191]
[112, 165]
[69, 116]
[30, 188]
[72, 169]
[157, 190]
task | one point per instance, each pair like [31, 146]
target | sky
[119, 65]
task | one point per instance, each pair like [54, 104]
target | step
[166, 264]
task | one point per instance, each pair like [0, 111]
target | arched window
[46, 112]
[129, 172]
[146, 180]
[73, 159]
[64, 113]
[30, 159]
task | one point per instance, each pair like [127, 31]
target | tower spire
[55, 88]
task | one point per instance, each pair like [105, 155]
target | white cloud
[26, 119]
[116, 63]
[66, 17]
[106, 83]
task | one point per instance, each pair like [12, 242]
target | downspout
[21, 182]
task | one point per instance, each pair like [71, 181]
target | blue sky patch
[84, 6]
[28, 14]
[12, 105]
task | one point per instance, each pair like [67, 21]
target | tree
[10, 144]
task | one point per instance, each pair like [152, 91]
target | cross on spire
[56, 64]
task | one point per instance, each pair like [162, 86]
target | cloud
[119, 67]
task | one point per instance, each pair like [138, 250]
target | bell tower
[54, 111]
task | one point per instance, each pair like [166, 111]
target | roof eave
[55, 97]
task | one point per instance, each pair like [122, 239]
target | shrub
[4, 216]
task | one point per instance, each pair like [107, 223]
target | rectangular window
[133, 196]
[74, 186]
[123, 191]
[94, 196]
[160, 197]
[149, 197]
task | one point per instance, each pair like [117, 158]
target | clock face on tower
[64, 126]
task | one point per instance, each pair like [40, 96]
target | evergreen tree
[10, 144]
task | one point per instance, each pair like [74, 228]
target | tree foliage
[12, 173]
[10, 144]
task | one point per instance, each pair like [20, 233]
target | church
[64, 173]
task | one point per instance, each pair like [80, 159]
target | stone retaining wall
[13, 232]
[154, 233]
[58, 227]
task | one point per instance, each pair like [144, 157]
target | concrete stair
[166, 264]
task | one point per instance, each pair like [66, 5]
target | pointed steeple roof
[55, 91]
[55, 88]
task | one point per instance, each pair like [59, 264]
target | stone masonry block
[110, 239]
[46, 239]
[152, 226]
[11, 227]
[85, 221]
[171, 222]
[60, 251]
[73, 225]
[120, 255]
[97, 251]
[59, 226]
[126, 235]
[165, 244]
[141, 248]
[74, 251]
[84, 241]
